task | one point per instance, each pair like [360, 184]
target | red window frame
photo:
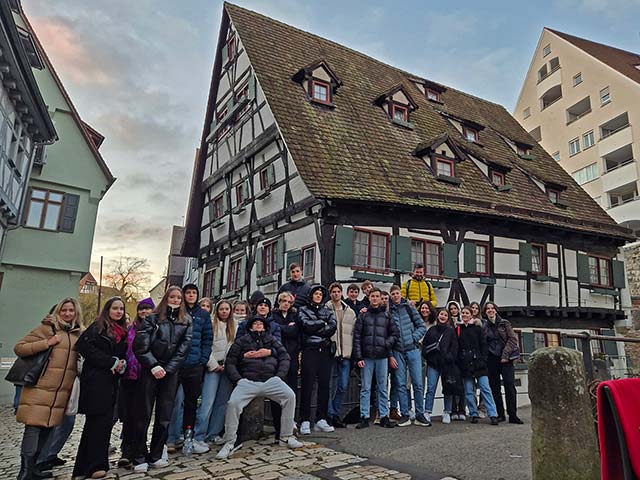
[209, 280]
[269, 258]
[468, 130]
[312, 91]
[221, 114]
[425, 255]
[497, 178]
[304, 250]
[231, 48]
[239, 197]
[242, 94]
[264, 179]
[600, 283]
[487, 257]
[233, 281]
[370, 244]
[218, 206]
[551, 192]
[432, 95]
[543, 258]
[452, 163]
[546, 338]
[396, 107]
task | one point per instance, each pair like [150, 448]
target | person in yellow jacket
[417, 289]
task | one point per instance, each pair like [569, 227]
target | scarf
[118, 331]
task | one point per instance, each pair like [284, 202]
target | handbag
[74, 398]
[433, 346]
[27, 371]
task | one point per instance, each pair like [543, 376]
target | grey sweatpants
[246, 390]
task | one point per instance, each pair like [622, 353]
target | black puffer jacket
[375, 334]
[256, 369]
[317, 322]
[448, 350]
[290, 333]
[163, 343]
[299, 289]
[472, 350]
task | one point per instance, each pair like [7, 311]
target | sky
[139, 71]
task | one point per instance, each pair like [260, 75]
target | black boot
[29, 471]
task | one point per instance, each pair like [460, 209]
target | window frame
[546, 50]
[233, 285]
[609, 262]
[556, 156]
[208, 283]
[590, 134]
[425, 256]
[604, 102]
[270, 267]
[546, 338]
[543, 259]
[323, 83]
[475, 133]
[498, 175]
[239, 198]
[429, 92]
[395, 106]
[219, 117]
[575, 141]
[553, 191]
[370, 245]
[218, 207]
[45, 207]
[231, 48]
[577, 76]
[526, 113]
[448, 161]
[241, 94]
[303, 251]
[487, 257]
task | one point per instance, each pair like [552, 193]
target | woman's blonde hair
[77, 321]
[231, 331]
[161, 309]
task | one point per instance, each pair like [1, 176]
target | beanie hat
[255, 298]
[264, 301]
[146, 303]
[314, 288]
[191, 286]
[258, 318]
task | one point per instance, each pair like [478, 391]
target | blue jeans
[411, 360]
[339, 384]
[175, 427]
[209, 393]
[216, 422]
[379, 366]
[433, 376]
[485, 393]
[57, 438]
[16, 398]
[393, 395]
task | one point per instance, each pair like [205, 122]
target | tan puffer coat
[44, 404]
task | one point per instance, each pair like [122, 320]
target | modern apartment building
[581, 101]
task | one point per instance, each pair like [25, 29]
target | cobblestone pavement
[255, 461]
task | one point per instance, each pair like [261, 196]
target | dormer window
[320, 91]
[398, 105]
[399, 112]
[497, 178]
[445, 166]
[554, 195]
[433, 95]
[470, 134]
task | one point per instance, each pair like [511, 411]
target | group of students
[198, 365]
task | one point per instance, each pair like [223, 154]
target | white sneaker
[323, 426]
[305, 428]
[462, 418]
[200, 447]
[454, 416]
[291, 442]
[159, 463]
[141, 468]
[227, 450]
[446, 418]
[218, 440]
[165, 454]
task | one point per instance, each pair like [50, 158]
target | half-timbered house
[315, 153]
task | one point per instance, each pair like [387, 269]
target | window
[538, 259]
[600, 271]
[574, 146]
[546, 50]
[624, 196]
[240, 194]
[588, 140]
[470, 134]
[231, 47]
[220, 117]
[554, 64]
[482, 258]
[417, 251]
[209, 283]
[269, 258]
[234, 275]
[497, 178]
[218, 207]
[586, 174]
[309, 262]
[320, 91]
[243, 94]
[553, 194]
[543, 72]
[577, 79]
[596, 345]
[399, 112]
[445, 167]
[526, 113]
[545, 339]
[433, 95]
[556, 156]
[44, 209]
[605, 96]
[267, 177]
[370, 250]
[30, 48]
[429, 254]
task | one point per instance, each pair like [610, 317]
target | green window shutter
[271, 174]
[217, 282]
[245, 190]
[211, 211]
[294, 256]
[70, 212]
[344, 246]
[214, 123]
[259, 262]
[618, 274]
[610, 348]
[450, 260]
[569, 342]
[470, 257]
[243, 272]
[525, 257]
[280, 253]
[252, 88]
[583, 268]
[400, 254]
[528, 342]
[225, 55]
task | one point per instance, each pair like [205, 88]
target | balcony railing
[619, 165]
[549, 73]
[547, 105]
[578, 117]
[623, 202]
[611, 132]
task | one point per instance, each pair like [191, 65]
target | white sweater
[220, 345]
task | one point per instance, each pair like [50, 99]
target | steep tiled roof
[354, 152]
[620, 60]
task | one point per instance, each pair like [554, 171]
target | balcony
[614, 135]
[627, 213]
[550, 97]
[579, 110]
[620, 175]
[551, 79]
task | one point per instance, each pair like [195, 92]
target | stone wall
[632, 260]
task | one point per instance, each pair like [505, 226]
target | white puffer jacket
[220, 345]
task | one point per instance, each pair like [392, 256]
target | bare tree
[129, 276]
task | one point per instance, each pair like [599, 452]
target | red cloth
[626, 397]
